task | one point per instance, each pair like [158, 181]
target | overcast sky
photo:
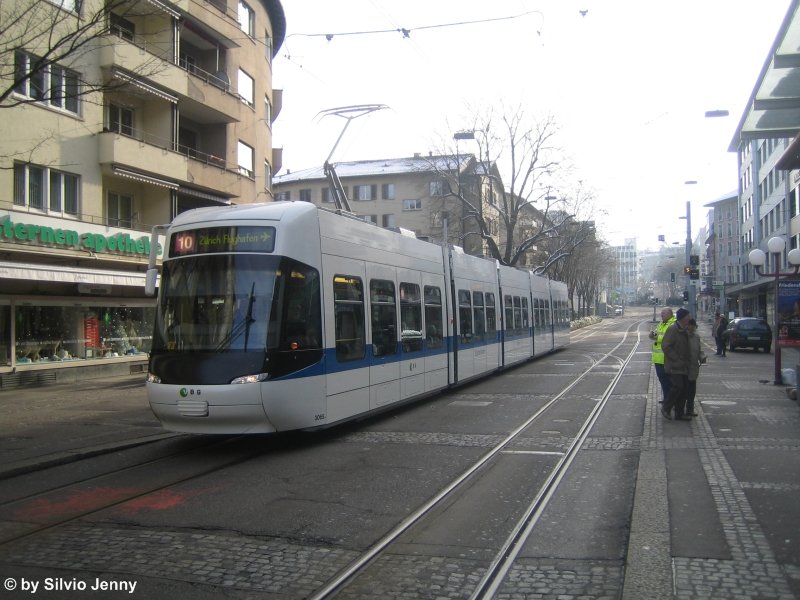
[628, 82]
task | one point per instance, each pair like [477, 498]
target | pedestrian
[696, 358]
[720, 325]
[676, 363]
[657, 335]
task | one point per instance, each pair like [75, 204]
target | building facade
[166, 107]
[626, 274]
[416, 193]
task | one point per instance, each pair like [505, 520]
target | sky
[627, 81]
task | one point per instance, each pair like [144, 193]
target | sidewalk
[55, 424]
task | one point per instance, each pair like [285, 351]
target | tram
[280, 316]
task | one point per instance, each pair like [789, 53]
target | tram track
[34, 513]
[505, 555]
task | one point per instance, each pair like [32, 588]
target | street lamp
[758, 259]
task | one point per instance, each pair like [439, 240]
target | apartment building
[161, 107]
[416, 193]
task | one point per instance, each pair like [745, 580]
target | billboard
[789, 313]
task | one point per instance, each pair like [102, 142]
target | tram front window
[238, 303]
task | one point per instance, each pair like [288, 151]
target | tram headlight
[251, 378]
[153, 378]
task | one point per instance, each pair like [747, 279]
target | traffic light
[694, 260]
[672, 277]
[694, 273]
[687, 270]
[685, 296]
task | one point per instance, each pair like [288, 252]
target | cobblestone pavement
[248, 566]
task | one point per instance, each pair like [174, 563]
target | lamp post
[758, 259]
[689, 284]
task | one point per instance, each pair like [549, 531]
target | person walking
[696, 358]
[720, 325]
[676, 363]
[657, 335]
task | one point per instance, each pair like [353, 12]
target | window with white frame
[436, 188]
[388, 221]
[287, 195]
[325, 194]
[244, 157]
[268, 46]
[122, 27]
[267, 111]
[247, 19]
[305, 195]
[364, 192]
[246, 88]
[388, 191]
[119, 209]
[51, 85]
[70, 5]
[46, 189]
[412, 204]
[120, 119]
[267, 176]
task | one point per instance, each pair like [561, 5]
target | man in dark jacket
[720, 325]
[676, 364]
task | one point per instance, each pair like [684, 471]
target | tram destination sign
[208, 240]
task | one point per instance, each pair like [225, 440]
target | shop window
[57, 334]
[5, 335]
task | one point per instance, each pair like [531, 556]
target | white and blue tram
[281, 316]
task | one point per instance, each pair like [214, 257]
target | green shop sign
[40, 235]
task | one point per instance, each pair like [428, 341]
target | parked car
[748, 332]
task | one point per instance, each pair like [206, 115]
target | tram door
[412, 342]
[347, 376]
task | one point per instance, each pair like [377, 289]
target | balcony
[207, 95]
[148, 153]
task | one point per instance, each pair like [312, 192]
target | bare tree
[518, 169]
[41, 37]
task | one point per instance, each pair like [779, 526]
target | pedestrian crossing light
[672, 277]
[685, 296]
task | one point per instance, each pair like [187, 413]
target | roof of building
[383, 166]
[734, 195]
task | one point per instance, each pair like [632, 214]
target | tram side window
[479, 316]
[517, 316]
[410, 317]
[508, 303]
[547, 313]
[464, 316]
[524, 316]
[301, 313]
[491, 318]
[348, 299]
[433, 317]
[535, 308]
[384, 317]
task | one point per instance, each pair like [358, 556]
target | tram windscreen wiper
[241, 327]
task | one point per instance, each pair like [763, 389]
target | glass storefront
[55, 332]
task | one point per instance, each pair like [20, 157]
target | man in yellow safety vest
[657, 335]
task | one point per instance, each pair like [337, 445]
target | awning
[144, 86]
[144, 178]
[773, 110]
[186, 191]
[172, 13]
[62, 274]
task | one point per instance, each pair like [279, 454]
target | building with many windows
[415, 193]
[156, 108]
